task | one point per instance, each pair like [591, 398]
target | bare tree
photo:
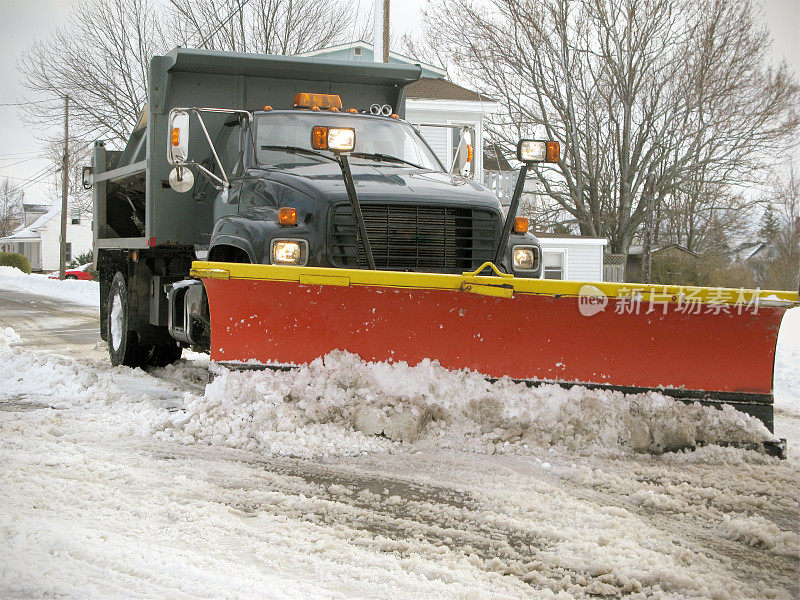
[670, 92]
[10, 207]
[80, 199]
[782, 269]
[266, 26]
[704, 219]
[101, 56]
[99, 59]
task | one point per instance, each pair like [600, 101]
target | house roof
[367, 46]
[430, 88]
[637, 250]
[31, 232]
[35, 207]
[571, 237]
[747, 250]
[493, 159]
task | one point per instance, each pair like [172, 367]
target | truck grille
[425, 238]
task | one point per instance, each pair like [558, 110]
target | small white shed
[572, 257]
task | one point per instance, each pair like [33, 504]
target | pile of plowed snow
[340, 404]
[787, 362]
[71, 290]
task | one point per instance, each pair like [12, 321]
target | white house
[37, 238]
[572, 257]
[442, 110]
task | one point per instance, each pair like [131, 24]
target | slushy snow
[345, 479]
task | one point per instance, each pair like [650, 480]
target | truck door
[229, 150]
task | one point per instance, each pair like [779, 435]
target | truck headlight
[336, 139]
[524, 258]
[289, 252]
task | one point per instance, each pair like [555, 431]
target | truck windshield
[378, 140]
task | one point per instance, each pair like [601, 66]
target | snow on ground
[787, 362]
[323, 408]
[80, 292]
[272, 484]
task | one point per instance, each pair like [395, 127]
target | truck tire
[123, 344]
[162, 355]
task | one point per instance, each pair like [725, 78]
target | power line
[221, 25]
[26, 179]
[29, 102]
[24, 160]
[39, 177]
[35, 178]
[17, 154]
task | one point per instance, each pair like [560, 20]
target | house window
[357, 51]
[76, 220]
[553, 263]
[69, 251]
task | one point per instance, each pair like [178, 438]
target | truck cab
[418, 217]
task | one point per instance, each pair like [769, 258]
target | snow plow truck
[271, 209]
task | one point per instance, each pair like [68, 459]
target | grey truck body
[418, 219]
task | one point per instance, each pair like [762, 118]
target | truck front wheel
[123, 343]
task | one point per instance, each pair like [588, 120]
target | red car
[83, 272]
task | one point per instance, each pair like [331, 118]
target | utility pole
[647, 242]
[386, 31]
[62, 264]
[380, 43]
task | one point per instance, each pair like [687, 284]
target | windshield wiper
[386, 157]
[298, 150]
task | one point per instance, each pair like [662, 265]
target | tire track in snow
[695, 499]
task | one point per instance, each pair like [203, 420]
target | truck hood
[382, 182]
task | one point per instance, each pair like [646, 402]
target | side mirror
[87, 177]
[181, 179]
[533, 151]
[178, 142]
[464, 153]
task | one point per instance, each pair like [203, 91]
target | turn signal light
[319, 137]
[176, 136]
[317, 101]
[287, 216]
[520, 225]
[553, 152]
[470, 153]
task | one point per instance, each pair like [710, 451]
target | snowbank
[787, 363]
[328, 406]
[80, 292]
[337, 405]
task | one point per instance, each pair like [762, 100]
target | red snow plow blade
[714, 345]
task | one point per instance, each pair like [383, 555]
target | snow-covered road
[262, 488]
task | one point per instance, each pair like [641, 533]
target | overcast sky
[25, 21]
